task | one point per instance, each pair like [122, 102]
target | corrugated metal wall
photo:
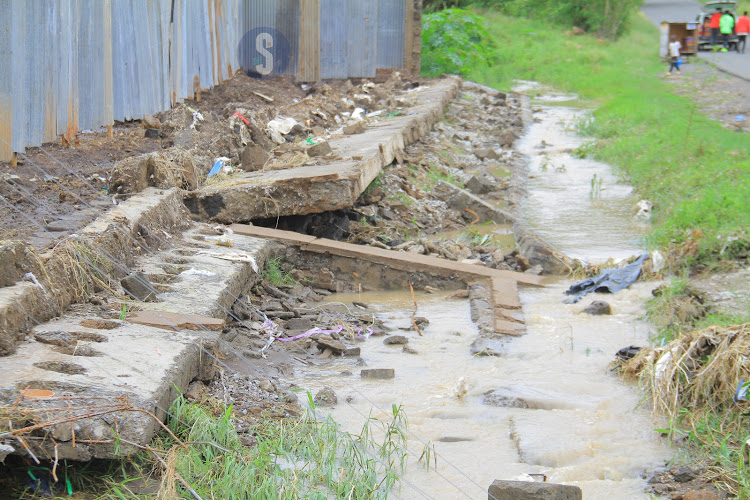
[72, 65]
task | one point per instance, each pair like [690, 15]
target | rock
[172, 321]
[378, 373]
[683, 474]
[410, 350]
[506, 138]
[486, 154]
[699, 495]
[253, 158]
[100, 324]
[138, 286]
[266, 385]
[536, 270]
[503, 400]
[320, 149]
[61, 225]
[54, 338]
[326, 342]
[5, 450]
[453, 439]
[326, 397]
[196, 391]
[481, 184]
[396, 340]
[299, 324]
[63, 432]
[152, 133]
[149, 121]
[523, 490]
[352, 351]
[355, 128]
[598, 308]
[421, 321]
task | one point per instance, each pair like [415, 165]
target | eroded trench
[548, 406]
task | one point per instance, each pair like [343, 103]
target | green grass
[275, 275]
[695, 171]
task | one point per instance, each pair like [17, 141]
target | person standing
[726, 26]
[742, 28]
[674, 54]
[714, 24]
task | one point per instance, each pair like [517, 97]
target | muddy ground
[57, 189]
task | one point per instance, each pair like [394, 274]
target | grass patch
[692, 169]
[273, 273]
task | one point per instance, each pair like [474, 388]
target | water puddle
[577, 205]
[488, 233]
[562, 413]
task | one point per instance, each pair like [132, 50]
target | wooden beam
[14, 160]
[110, 131]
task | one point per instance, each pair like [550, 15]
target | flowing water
[572, 419]
[578, 205]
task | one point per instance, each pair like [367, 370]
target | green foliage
[454, 41]
[692, 169]
[275, 275]
[309, 458]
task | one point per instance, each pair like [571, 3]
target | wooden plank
[309, 41]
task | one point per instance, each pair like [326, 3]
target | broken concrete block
[523, 490]
[138, 286]
[378, 373]
[149, 121]
[506, 138]
[253, 158]
[170, 320]
[320, 149]
[481, 184]
[152, 133]
[56, 337]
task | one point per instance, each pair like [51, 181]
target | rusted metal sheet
[81, 64]
[309, 41]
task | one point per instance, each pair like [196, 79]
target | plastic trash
[279, 127]
[739, 118]
[221, 164]
[358, 113]
[197, 117]
[741, 393]
[611, 280]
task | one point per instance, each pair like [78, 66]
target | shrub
[454, 41]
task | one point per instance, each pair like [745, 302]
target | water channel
[574, 421]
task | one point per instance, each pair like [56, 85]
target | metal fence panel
[333, 32]
[391, 31]
[81, 64]
[362, 38]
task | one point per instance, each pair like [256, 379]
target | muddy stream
[549, 404]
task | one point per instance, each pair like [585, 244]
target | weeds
[275, 275]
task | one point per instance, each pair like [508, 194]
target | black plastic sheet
[610, 281]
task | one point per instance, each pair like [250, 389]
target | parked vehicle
[704, 18]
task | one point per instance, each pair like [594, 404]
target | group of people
[721, 24]
[724, 25]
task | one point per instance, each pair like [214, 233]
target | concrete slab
[122, 369]
[326, 185]
[121, 233]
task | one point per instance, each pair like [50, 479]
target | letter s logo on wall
[264, 52]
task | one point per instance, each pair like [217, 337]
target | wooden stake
[110, 131]
[198, 96]
[14, 160]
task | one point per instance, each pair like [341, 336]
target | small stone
[326, 397]
[196, 391]
[352, 351]
[421, 321]
[683, 474]
[63, 432]
[598, 308]
[523, 490]
[506, 138]
[152, 133]
[299, 324]
[486, 154]
[459, 294]
[453, 439]
[138, 286]
[500, 400]
[410, 350]
[320, 149]
[253, 158]
[266, 385]
[481, 184]
[355, 128]
[396, 340]
[378, 373]
[150, 122]
[326, 342]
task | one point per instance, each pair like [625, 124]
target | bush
[454, 41]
